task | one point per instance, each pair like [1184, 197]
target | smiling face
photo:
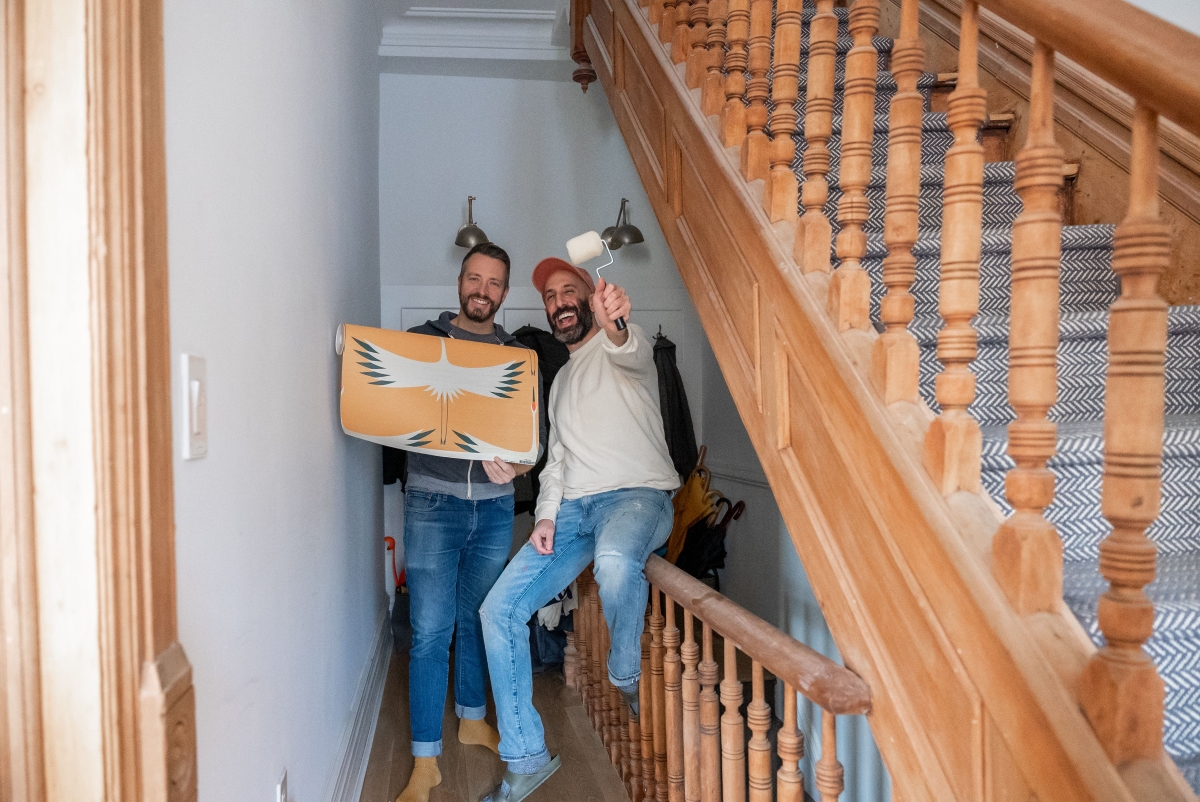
[482, 287]
[568, 312]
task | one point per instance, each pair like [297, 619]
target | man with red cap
[605, 498]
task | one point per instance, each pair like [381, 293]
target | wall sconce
[471, 235]
[624, 232]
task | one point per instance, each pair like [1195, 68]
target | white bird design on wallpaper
[444, 380]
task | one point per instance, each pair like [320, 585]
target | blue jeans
[454, 550]
[617, 530]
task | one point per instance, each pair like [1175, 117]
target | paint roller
[586, 247]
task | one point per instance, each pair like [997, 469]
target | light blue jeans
[617, 530]
[454, 549]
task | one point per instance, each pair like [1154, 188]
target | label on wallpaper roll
[435, 395]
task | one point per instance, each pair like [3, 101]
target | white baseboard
[345, 785]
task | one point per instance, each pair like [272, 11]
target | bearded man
[458, 521]
[605, 498]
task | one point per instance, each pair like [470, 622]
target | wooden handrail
[1132, 49]
[835, 688]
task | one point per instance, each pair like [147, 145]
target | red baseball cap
[551, 265]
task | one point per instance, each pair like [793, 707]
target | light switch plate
[194, 385]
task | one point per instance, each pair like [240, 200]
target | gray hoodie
[457, 477]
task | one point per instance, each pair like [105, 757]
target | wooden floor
[468, 772]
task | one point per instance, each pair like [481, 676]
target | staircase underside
[971, 701]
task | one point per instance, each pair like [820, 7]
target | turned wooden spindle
[814, 233]
[1027, 554]
[782, 191]
[733, 113]
[850, 289]
[681, 39]
[697, 57]
[830, 776]
[605, 702]
[654, 12]
[953, 443]
[673, 691]
[710, 725]
[626, 751]
[571, 662]
[791, 751]
[646, 723]
[582, 638]
[758, 716]
[754, 146]
[666, 22]
[1120, 690]
[599, 662]
[690, 652]
[894, 356]
[657, 660]
[733, 736]
[712, 90]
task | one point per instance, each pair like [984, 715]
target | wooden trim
[345, 784]
[118, 708]
[21, 775]
[831, 686]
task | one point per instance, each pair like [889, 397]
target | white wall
[1184, 14]
[272, 210]
[546, 162]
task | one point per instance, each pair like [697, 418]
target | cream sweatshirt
[606, 430]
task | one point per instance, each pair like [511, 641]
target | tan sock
[425, 775]
[477, 731]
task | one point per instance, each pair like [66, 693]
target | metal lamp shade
[627, 234]
[623, 233]
[470, 235]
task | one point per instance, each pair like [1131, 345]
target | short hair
[493, 251]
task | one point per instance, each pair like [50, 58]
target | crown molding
[477, 33]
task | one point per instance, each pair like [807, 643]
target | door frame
[98, 701]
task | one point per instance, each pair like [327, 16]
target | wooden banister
[895, 356]
[733, 113]
[850, 288]
[814, 234]
[782, 191]
[829, 685]
[930, 594]
[954, 443]
[1027, 552]
[1120, 689]
[754, 146]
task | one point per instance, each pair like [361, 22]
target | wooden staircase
[983, 683]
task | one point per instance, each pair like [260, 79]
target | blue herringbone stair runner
[1088, 287]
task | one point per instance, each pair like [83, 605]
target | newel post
[584, 73]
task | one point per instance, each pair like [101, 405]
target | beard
[477, 314]
[578, 330]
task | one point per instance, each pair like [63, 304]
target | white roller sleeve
[584, 247]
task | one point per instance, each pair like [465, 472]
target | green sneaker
[515, 787]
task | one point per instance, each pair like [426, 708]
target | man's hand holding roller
[610, 302]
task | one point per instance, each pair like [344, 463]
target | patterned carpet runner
[1088, 287]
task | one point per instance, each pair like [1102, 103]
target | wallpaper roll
[435, 395]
